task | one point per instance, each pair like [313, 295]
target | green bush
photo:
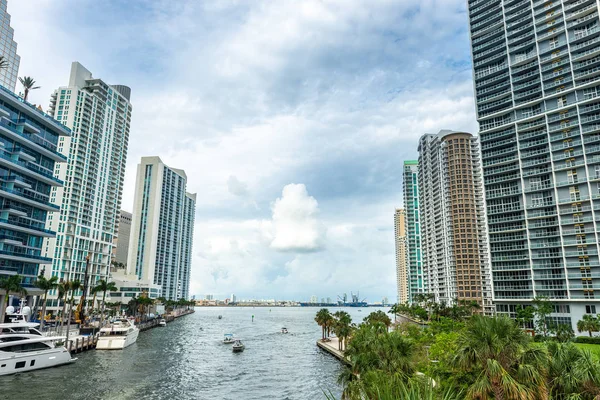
[587, 339]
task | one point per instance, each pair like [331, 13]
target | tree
[63, 293]
[501, 355]
[45, 285]
[28, 85]
[73, 286]
[378, 317]
[572, 373]
[524, 315]
[588, 323]
[321, 319]
[3, 63]
[564, 333]
[145, 302]
[10, 284]
[342, 327]
[543, 307]
[104, 286]
[132, 306]
[395, 310]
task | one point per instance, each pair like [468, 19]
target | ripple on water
[182, 362]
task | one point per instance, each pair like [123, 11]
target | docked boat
[284, 330]
[228, 338]
[24, 348]
[162, 322]
[117, 335]
[238, 346]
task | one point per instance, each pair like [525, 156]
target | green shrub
[587, 339]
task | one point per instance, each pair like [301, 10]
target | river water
[187, 360]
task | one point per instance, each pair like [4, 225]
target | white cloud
[295, 223]
[236, 187]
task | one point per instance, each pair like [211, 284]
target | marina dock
[331, 347]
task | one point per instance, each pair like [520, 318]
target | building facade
[28, 154]
[121, 243]
[99, 116]
[453, 223]
[401, 256]
[8, 50]
[160, 247]
[537, 95]
[415, 277]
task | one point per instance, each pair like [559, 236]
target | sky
[290, 118]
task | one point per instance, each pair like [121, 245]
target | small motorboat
[228, 339]
[162, 322]
[284, 330]
[220, 317]
[238, 346]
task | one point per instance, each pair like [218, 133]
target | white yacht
[24, 348]
[162, 322]
[117, 335]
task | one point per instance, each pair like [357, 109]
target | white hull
[117, 342]
[12, 363]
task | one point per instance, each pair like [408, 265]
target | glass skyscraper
[536, 67]
[8, 50]
[416, 281]
[28, 153]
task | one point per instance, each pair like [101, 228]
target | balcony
[31, 169]
[32, 229]
[26, 198]
[31, 140]
[28, 256]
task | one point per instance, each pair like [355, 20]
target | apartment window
[562, 101]
[590, 93]
[581, 32]
[590, 309]
[553, 43]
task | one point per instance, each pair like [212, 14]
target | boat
[162, 322]
[117, 335]
[228, 339]
[23, 348]
[238, 346]
[284, 330]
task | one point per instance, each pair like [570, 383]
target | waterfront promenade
[332, 347]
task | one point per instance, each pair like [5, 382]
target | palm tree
[63, 293]
[73, 286]
[501, 356]
[378, 317]
[11, 283]
[28, 85]
[589, 324]
[45, 285]
[321, 319]
[104, 286]
[3, 63]
[342, 327]
[395, 309]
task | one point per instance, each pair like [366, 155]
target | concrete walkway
[332, 348]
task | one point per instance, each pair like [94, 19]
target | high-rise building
[416, 279]
[160, 248]
[28, 153]
[99, 116]
[233, 298]
[8, 50]
[401, 256]
[453, 223]
[121, 242]
[537, 95]
[313, 299]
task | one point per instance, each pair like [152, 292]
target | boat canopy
[228, 335]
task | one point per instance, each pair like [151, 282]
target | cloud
[236, 187]
[295, 223]
[248, 96]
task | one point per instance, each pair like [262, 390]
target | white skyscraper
[401, 256]
[160, 248]
[99, 116]
[8, 50]
[453, 222]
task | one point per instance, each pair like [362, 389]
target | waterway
[187, 360]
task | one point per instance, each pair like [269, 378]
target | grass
[593, 348]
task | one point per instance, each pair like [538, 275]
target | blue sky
[291, 119]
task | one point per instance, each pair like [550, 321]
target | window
[562, 101]
[20, 364]
[590, 309]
